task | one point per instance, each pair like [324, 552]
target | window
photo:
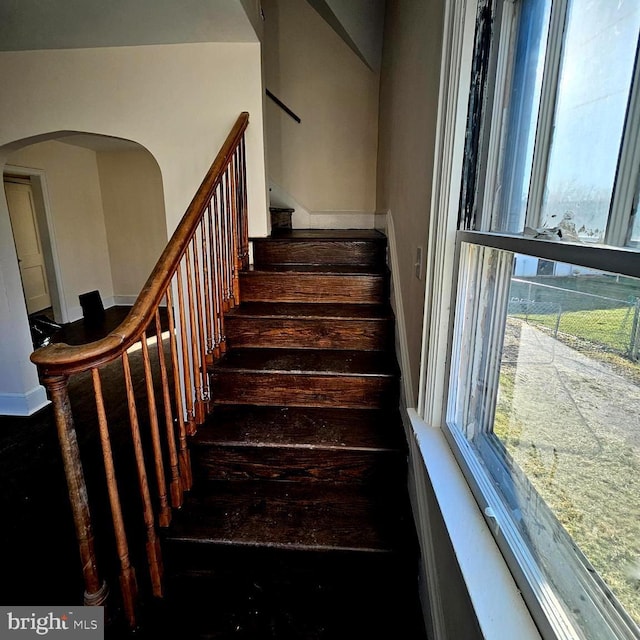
[544, 381]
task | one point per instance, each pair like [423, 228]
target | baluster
[200, 322]
[95, 590]
[223, 247]
[228, 240]
[193, 334]
[245, 217]
[164, 517]
[153, 543]
[176, 489]
[235, 233]
[206, 282]
[128, 584]
[221, 244]
[239, 208]
[184, 456]
[220, 271]
[215, 300]
[186, 368]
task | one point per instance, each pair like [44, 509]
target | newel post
[96, 590]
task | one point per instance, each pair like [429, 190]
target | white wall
[327, 162]
[178, 101]
[134, 218]
[77, 219]
[408, 111]
[20, 393]
[410, 85]
[361, 21]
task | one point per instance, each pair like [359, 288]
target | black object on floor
[43, 329]
[92, 307]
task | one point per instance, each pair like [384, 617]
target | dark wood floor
[39, 562]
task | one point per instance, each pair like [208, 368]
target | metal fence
[585, 319]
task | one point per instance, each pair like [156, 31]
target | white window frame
[444, 242]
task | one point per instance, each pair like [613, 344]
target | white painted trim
[23, 404]
[127, 301]
[546, 112]
[304, 218]
[124, 301]
[455, 82]
[432, 605]
[626, 184]
[497, 602]
[496, 599]
[402, 347]
[59, 301]
[74, 313]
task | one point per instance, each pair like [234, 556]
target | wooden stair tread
[315, 284]
[297, 427]
[295, 516]
[320, 247]
[310, 310]
[302, 235]
[308, 361]
[337, 270]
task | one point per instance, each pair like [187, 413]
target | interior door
[28, 245]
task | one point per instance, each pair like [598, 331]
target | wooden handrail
[64, 359]
[283, 106]
[201, 264]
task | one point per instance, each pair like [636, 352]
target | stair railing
[181, 308]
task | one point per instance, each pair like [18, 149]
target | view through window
[545, 369]
[568, 397]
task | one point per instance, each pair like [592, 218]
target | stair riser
[296, 464]
[259, 286]
[355, 252]
[304, 390]
[364, 335]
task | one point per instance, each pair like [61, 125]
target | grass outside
[587, 470]
[570, 290]
[609, 328]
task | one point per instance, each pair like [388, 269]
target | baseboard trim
[123, 301]
[402, 347]
[23, 404]
[76, 313]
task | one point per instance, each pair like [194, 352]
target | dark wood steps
[338, 284]
[245, 442]
[311, 326]
[293, 516]
[306, 377]
[300, 469]
[315, 247]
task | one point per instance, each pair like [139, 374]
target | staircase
[298, 524]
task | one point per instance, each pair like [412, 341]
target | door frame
[44, 218]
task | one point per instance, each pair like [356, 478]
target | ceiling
[71, 24]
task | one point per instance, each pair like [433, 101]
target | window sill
[498, 605]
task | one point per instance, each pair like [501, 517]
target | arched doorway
[98, 212]
[93, 195]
